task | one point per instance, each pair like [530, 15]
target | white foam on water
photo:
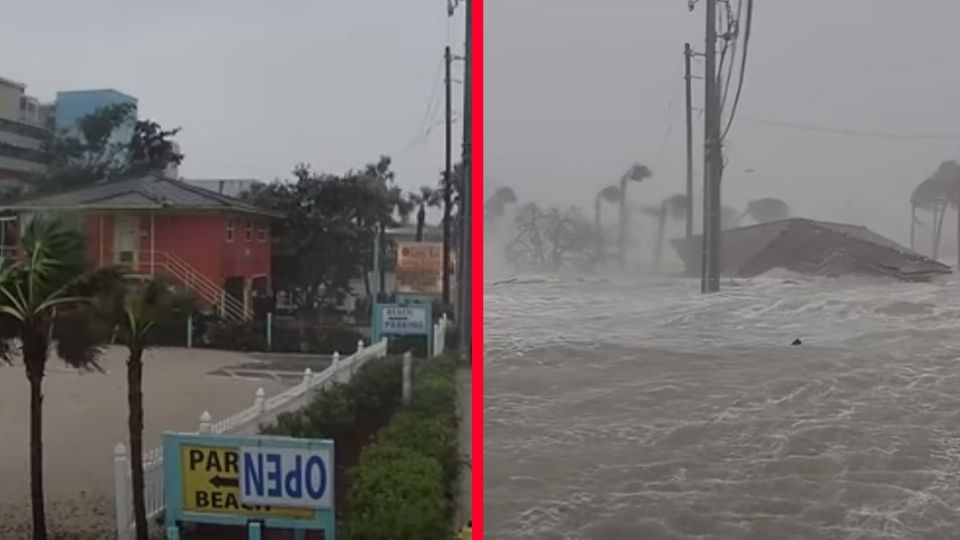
[639, 408]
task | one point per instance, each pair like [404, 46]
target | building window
[262, 232]
[248, 231]
[230, 229]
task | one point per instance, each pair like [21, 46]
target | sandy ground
[466, 437]
[84, 419]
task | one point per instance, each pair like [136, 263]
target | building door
[127, 240]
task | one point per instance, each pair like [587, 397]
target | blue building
[73, 105]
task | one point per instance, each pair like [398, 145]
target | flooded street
[638, 409]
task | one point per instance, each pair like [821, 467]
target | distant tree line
[553, 239]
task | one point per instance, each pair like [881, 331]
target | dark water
[640, 409]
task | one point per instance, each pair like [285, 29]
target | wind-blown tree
[946, 180]
[495, 207]
[134, 311]
[636, 173]
[929, 196]
[99, 149]
[45, 299]
[550, 240]
[426, 197]
[673, 207]
[766, 210]
[609, 194]
[327, 235]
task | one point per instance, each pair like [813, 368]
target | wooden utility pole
[465, 197]
[687, 55]
[713, 157]
[447, 175]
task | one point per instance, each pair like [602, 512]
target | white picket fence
[440, 335]
[245, 421]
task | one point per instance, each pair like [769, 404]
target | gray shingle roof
[145, 193]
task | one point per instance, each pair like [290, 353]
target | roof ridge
[225, 200]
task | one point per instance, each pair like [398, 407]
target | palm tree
[938, 192]
[674, 207]
[427, 197]
[766, 210]
[610, 194]
[929, 196]
[134, 311]
[948, 177]
[636, 173]
[497, 203]
[45, 298]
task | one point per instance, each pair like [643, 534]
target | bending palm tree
[610, 194]
[135, 311]
[426, 197]
[636, 173]
[948, 175]
[675, 207]
[45, 298]
[497, 203]
[928, 195]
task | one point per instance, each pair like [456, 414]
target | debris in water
[812, 247]
[797, 342]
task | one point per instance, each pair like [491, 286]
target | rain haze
[577, 91]
[812, 397]
[256, 86]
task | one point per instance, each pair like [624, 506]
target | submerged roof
[143, 193]
[812, 247]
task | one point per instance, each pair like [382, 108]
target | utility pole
[447, 175]
[687, 55]
[465, 211]
[713, 157]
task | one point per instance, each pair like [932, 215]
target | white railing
[440, 335]
[247, 420]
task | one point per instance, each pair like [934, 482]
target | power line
[743, 69]
[855, 132]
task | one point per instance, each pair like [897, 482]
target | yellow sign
[419, 267]
[419, 283]
[211, 484]
[419, 257]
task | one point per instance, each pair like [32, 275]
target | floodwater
[635, 408]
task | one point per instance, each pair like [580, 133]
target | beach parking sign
[255, 482]
[404, 320]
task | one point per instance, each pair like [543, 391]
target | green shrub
[371, 395]
[403, 486]
[398, 495]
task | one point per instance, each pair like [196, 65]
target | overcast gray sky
[257, 86]
[577, 90]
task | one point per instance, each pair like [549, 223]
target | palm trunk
[958, 235]
[598, 228]
[421, 218]
[913, 227]
[135, 425]
[36, 458]
[937, 230]
[661, 230]
[34, 358]
[623, 221]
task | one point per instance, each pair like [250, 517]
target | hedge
[351, 414]
[403, 486]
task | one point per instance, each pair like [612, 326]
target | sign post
[259, 483]
[408, 319]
